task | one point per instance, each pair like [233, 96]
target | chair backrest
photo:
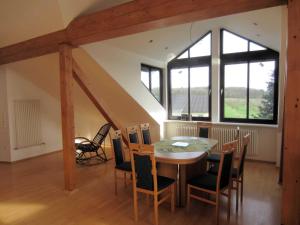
[145, 131]
[132, 134]
[245, 143]
[102, 133]
[117, 145]
[226, 163]
[143, 165]
[204, 130]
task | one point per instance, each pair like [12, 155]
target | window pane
[256, 47]
[202, 47]
[233, 43]
[155, 83]
[145, 78]
[199, 89]
[184, 55]
[261, 93]
[235, 93]
[179, 91]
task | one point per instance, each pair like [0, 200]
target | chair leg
[155, 209]
[229, 204]
[125, 183]
[217, 207]
[188, 198]
[116, 185]
[148, 199]
[237, 196]
[135, 205]
[173, 197]
[242, 187]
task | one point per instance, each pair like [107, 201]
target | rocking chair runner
[92, 146]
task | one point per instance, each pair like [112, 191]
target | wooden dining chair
[120, 164]
[146, 180]
[145, 132]
[214, 158]
[215, 184]
[238, 172]
[133, 134]
[204, 129]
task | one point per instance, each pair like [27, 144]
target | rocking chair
[85, 147]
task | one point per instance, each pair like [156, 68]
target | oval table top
[171, 150]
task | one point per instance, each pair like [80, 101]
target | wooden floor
[31, 193]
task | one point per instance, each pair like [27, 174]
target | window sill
[275, 126]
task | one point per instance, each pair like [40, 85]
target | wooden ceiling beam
[129, 18]
[46, 44]
[142, 15]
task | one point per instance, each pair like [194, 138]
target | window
[189, 82]
[249, 80]
[151, 77]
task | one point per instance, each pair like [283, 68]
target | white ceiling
[262, 26]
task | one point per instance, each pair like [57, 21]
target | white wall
[19, 88]
[125, 67]
[38, 78]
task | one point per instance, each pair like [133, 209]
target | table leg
[182, 185]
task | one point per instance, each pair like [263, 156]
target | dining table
[181, 158]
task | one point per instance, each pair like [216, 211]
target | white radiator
[27, 123]
[224, 134]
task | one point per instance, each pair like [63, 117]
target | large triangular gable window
[189, 76]
[233, 43]
[249, 80]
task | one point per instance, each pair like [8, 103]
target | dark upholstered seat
[215, 184]
[204, 132]
[133, 138]
[162, 182]
[145, 179]
[205, 181]
[120, 164]
[146, 137]
[124, 166]
[214, 158]
[234, 172]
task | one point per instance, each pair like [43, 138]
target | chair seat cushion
[162, 182]
[215, 158]
[205, 181]
[234, 172]
[126, 166]
[214, 169]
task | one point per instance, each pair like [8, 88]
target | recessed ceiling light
[257, 35]
[255, 24]
[150, 41]
[166, 48]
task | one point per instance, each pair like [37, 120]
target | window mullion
[248, 81]
[189, 93]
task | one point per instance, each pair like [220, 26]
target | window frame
[190, 63]
[151, 68]
[248, 57]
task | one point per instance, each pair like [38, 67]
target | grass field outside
[236, 107]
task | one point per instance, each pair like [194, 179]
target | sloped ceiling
[21, 20]
[262, 26]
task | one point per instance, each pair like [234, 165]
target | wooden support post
[291, 166]
[67, 114]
